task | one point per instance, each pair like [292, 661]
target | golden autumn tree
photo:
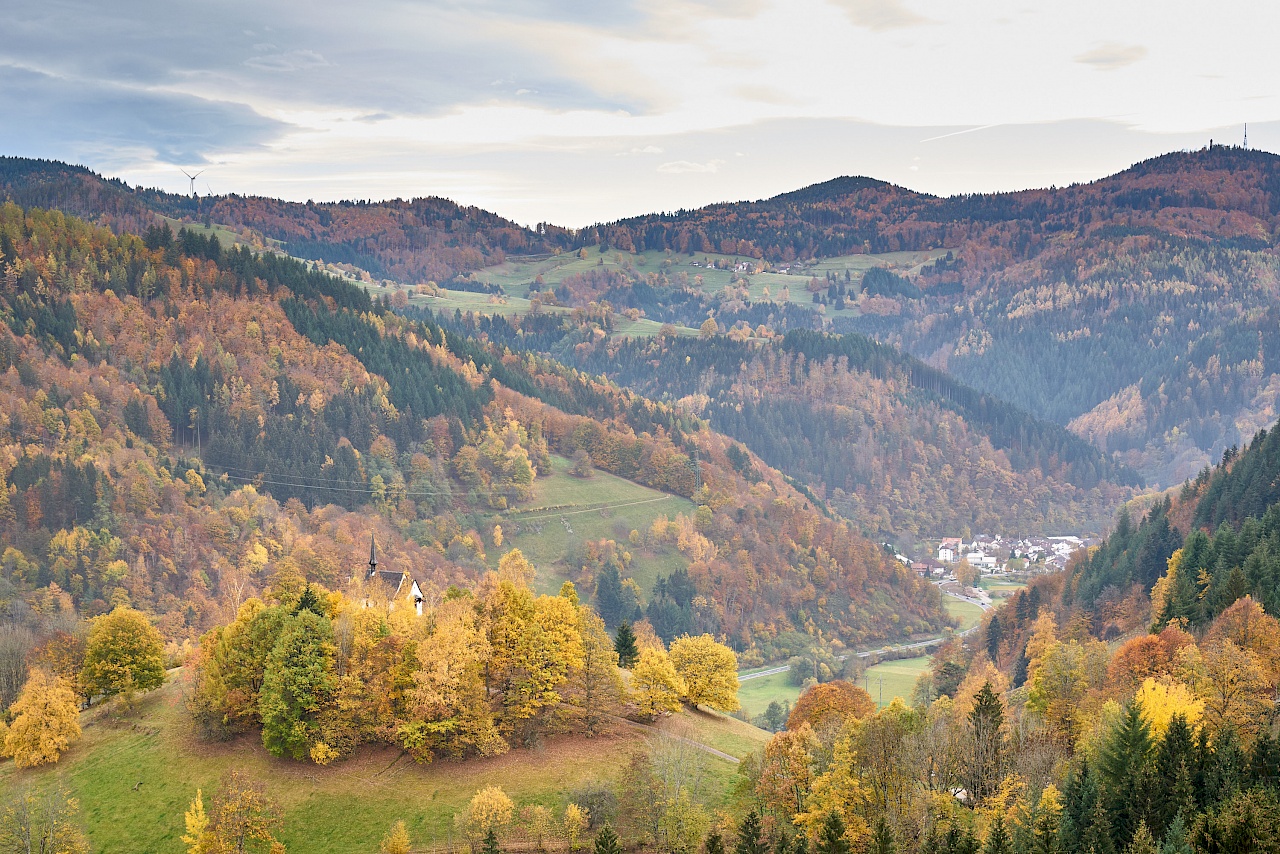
[787, 770]
[46, 719]
[42, 821]
[656, 687]
[830, 704]
[709, 671]
[490, 809]
[396, 841]
[123, 652]
[241, 817]
[1161, 701]
[449, 711]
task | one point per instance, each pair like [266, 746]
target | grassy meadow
[134, 779]
[602, 506]
[970, 614]
[891, 679]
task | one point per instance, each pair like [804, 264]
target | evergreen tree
[490, 845]
[1123, 768]
[995, 634]
[624, 643]
[998, 841]
[831, 838]
[1079, 797]
[1098, 837]
[800, 844]
[1175, 758]
[986, 723]
[1176, 840]
[882, 841]
[1142, 843]
[749, 839]
[960, 840]
[607, 842]
[1226, 769]
[1264, 762]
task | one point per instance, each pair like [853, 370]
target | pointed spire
[373, 555]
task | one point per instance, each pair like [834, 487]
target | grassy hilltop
[135, 777]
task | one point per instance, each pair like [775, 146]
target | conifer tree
[1143, 842]
[625, 645]
[396, 841]
[986, 722]
[749, 839]
[831, 838]
[1123, 766]
[490, 845]
[713, 844]
[882, 841]
[998, 841]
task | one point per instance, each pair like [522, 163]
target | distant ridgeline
[1217, 541]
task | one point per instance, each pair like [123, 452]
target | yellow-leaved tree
[123, 653]
[656, 687]
[1160, 701]
[709, 671]
[396, 841]
[574, 824]
[46, 719]
[489, 809]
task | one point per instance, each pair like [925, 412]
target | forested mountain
[413, 241]
[1192, 556]
[186, 426]
[1134, 310]
[898, 447]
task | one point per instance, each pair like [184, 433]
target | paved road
[743, 677]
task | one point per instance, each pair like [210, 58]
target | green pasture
[602, 506]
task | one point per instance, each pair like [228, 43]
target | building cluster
[996, 555]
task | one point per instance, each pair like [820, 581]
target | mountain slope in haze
[1134, 309]
[895, 446]
[185, 426]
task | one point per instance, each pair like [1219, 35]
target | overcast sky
[577, 111]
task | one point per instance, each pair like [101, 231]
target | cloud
[1110, 56]
[108, 124]
[879, 15]
[679, 167]
[294, 60]
[767, 95]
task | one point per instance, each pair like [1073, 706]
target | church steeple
[373, 555]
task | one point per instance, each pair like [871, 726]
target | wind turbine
[192, 179]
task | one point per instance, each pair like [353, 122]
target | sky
[574, 112]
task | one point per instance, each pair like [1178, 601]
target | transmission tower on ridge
[1246, 134]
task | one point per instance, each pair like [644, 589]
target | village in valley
[962, 565]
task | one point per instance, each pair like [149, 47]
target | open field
[999, 589]
[756, 694]
[516, 306]
[342, 808]
[227, 237]
[970, 614]
[891, 679]
[599, 507]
